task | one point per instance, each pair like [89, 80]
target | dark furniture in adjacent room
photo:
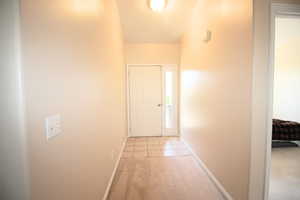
[284, 132]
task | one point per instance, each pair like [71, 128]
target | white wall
[287, 69]
[216, 90]
[152, 53]
[13, 169]
[73, 66]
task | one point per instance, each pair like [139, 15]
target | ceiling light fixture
[158, 5]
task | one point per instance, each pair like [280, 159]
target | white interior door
[145, 99]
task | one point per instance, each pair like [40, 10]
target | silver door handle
[159, 105]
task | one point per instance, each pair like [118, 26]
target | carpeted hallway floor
[160, 168]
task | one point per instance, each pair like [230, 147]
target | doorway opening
[152, 100]
[283, 159]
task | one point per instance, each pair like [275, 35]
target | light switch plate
[53, 126]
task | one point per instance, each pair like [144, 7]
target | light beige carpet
[160, 168]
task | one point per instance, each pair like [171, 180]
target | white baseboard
[114, 172]
[212, 177]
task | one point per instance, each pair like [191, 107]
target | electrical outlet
[53, 126]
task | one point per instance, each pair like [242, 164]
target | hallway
[160, 168]
[74, 88]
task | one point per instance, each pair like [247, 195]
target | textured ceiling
[142, 25]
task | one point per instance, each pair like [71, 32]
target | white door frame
[164, 66]
[277, 10]
[283, 10]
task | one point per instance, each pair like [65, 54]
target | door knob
[159, 105]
